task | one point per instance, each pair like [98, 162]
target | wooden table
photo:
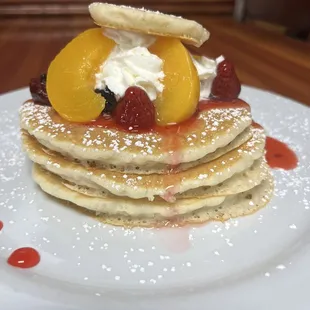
[262, 58]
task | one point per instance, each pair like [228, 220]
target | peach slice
[71, 76]
[180, 97]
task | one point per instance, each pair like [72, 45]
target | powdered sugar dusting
[10, 153]
[13, 165]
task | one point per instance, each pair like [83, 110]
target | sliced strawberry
[226, 84]
[135, 110]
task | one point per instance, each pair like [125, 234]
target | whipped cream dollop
[131, 64]
[128, 39]
[206, 69]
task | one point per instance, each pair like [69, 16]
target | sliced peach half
[71, 76]
[180, 97]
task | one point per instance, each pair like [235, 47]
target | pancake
[143, 213]
[163, 168]
[212, 129]
[148, 186]
[53, 185]
[238, 183]
[148, 22]
[238, 205]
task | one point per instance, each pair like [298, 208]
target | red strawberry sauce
[279, 155]
[107, 121]
[24, 258]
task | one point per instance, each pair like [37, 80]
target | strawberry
[135, 110]
[226, 84]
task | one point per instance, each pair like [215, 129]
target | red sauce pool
[1, 225]
[279, 155]
[24, 258]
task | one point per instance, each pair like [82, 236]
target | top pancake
[148, 22]
[212, 129]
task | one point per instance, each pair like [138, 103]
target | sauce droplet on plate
[24, 258]
[279, 155]
[1, 225]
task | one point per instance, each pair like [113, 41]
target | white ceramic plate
[256, 262]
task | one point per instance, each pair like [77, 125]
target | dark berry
[226, 84]
[43, 78]
[135, 111]
[109, 96]
[38, 91]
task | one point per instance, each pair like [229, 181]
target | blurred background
[268, 40]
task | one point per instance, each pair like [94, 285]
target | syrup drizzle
[24, 258]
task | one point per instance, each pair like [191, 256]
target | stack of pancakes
[212, 168]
